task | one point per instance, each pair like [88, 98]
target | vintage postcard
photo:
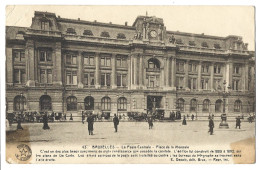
[130, 84]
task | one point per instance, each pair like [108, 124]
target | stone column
[97, 72]
[135, 71]
[113, 75]
[167, 73]
[199, 76]
[30, 69]
[230, 72]
[245, 77]
[186, 77]
[129, 72]
[57, 76]
[252, 84]
[173, 71]
[80, 70]
[141, 70]
[212, 76]
[9, 66]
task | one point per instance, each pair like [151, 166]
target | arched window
[122, 104]
[206, 104]
[106, 104]
[218, 106]
[71, 103]
[19, 103]
[237, 106]
[45, 103]
[180, 104]
[153, 63]
[193, 105]
[89, 103]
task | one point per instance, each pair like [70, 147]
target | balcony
[43, 33]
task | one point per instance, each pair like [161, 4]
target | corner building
[67, 65]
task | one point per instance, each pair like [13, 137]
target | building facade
[66, 65]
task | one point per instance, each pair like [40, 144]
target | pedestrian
[150, 121]
[209, 116]
[71, 118]
[238, 122]
[83, 117]
[65, 116]
[19, 122]
[45, 121]
[116, 122]
[211, 126]
[192, 117]
[184, 121]
[90, 121]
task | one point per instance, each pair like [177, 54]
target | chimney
[125, 23]
[110, 22]
[58, 16]
[78, 19]
[95, 20]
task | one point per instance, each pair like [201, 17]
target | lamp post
[21, 103]
[225, 93]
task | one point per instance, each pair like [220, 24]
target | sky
[210, 20]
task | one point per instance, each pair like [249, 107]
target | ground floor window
[122, 104]
[206, 104]
[106, 103]
[180, 104]
[89, 103]
[71, 103]
[237, 106]
[19, 103]
[193, 105]
[45, 103]
[218, 106]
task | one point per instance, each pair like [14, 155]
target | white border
[6, 166]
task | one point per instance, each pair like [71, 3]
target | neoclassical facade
[66, 65]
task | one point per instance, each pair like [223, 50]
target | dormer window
[179, 41]
[71, 31]
[217, 46]
[105, 34]
[88, 33]
[45, 25]
[192, 43]
[204, 44]
[121, 36]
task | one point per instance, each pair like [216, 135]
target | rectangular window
[108, 79]
[45, 55]
[16, 76]
[71, 59]
[194, 83]
[235, 85]
[118, 80]
[217, 69]
[102, 61]
[204, 84]
[92, 79]
[190, 67]
[236, 70]
[43, 76]
[44, 25]
[19, 56]
[88, 60]
[68, 59]
[124, 80]
[121, 61]
[74, 59]
[106, 61]
[89, 79]
[86, 78]
[72, 78]
[49, 76]
[23, 76]
[121, 80]
[179, 82]
[180, 66]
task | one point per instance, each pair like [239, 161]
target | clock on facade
[153, 33]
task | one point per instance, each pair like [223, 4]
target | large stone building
[67, 65]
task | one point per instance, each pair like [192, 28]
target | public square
[76, 133]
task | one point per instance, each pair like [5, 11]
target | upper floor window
[71, 59]
[121, 61]
[45, 25]
[88, 33]
[192, 83]
[204, 84]
[153, 81]
[46, 76]
[217, 68]
[71, 78]
[153, 63]
[205, 68]
[19, 76]
[89, 59]
[192, 67]
[19, 55]
[121, 36]
[236, 69]
[204, 44]
[105, 79]
[192, 43]
[106, 61]
[45, 55]
[217, 46]
[235, 85]
[71, 31]
[121, 80]
[105, 34]
[217, 84]
[180, 66]
[180, 82]
[89, 79]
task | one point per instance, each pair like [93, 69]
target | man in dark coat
[116, 122]
[211, 126]
[150, 121]
[238, 122]
[184, 121]
[192, 117]
[83, 117]
[90, 121]
[45, 121]
[19, 121]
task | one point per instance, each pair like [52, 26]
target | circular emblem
[24, 152]
[153, 33]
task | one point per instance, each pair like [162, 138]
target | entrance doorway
[154, 103]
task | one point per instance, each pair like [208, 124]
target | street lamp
[225, 94]
[21, 103]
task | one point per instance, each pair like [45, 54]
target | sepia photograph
[130, 84]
